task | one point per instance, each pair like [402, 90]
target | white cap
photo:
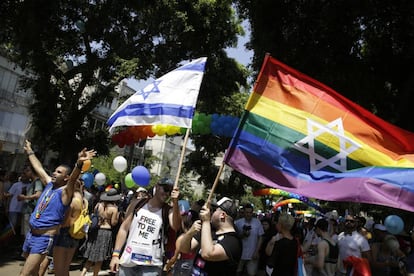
[141, 189]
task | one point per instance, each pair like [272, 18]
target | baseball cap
[165, 181]
[380, 227]
[227, 205]
[141, 189]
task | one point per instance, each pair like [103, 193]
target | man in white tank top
[142, 232]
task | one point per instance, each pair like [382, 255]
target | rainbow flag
[6, 234]
[301, 136]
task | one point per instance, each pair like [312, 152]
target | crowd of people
[147, 232]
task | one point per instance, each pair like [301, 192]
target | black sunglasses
[167, 188]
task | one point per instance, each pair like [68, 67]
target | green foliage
[78, 51]
[103, 163]
[254, 200]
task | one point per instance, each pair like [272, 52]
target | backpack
[94, 221]
[80, 227]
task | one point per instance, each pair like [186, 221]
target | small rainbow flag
[6, 234]
[301, 136]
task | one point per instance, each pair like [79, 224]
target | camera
[246, 230]
[247, 227]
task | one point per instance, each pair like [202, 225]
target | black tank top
[332, 257]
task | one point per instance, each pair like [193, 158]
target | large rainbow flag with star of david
[301, 136]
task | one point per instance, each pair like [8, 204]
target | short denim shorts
[64, 239]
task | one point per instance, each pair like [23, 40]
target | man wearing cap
[141, 193]
[144, 230]
[219, 249]
[351, 243]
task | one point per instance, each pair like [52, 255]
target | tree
[77, 51]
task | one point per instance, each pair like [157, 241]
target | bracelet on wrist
[30, 153]
[115, 254]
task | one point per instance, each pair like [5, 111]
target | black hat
[111, 195]
[322, 224]
[165, 181]
[227, 205]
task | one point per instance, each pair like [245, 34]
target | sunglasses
[167, 188]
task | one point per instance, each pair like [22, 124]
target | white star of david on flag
[335, 128]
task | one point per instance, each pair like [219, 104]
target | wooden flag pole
[180, 164]
[213, 188]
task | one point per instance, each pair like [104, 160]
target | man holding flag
[170, 100]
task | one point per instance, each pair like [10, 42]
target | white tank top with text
[144, 244]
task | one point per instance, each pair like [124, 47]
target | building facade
[14, 116]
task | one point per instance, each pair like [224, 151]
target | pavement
[11, 263]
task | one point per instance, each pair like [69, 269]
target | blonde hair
[286, 221]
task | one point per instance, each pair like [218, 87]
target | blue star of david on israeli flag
[169, 100]
[335, 128]
[150, 88]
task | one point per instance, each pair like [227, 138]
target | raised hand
[85, 154]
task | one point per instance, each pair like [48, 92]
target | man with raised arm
[50, 208]
[215, 240]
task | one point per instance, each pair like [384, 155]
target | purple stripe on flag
[365, 190]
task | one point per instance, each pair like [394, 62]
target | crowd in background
[269, 244]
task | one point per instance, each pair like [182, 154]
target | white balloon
[100, 179]
[120, 163]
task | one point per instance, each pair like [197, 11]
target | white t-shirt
[16, 206]
[250, 242]
[351, 245]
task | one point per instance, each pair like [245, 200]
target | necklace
[44, 203]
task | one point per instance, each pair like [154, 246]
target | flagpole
[215, 184]
[187, 134]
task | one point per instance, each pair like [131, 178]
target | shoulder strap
[85, 206]
[140, 204]
[327, 241]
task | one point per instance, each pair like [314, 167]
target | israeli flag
[170, 99]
